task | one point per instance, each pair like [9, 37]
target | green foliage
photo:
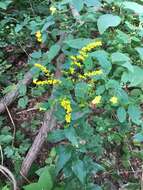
[97, 148]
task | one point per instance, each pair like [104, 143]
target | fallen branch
[11, 96]
[48, 125]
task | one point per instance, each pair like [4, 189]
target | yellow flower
[67, 106]
[38, 36]
[53, 10]
[71, 70]
[114, 100]
[96, 100]
[68, 118]
[42, 68]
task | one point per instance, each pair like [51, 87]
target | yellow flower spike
[38, 34]
[71, 70]
[73, 58]
[68, 118]
[53, 10]
[96, 100]
[114, 100]
[42, 68]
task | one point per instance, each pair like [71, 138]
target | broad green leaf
[106, 21]
[56, 136]
[22, 90]
[135, 78]
[64, 157]
[53, 52]
[135, 7]
[78, 43]
[45, 181]
[134, 113]
[5, 139]
[121, 114]
[79, 170]
[78, 4]
[81, 90]
[36, 54]
[5, 188]
[119, 57]
[140, 52]
[71, 135]
[95, 3]
[22, 102]
[103, 59]
[32, 186]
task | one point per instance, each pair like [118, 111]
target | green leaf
[71, 135]
[95, 3]
[64, 157]
[119, 57]
[56, 136]
[134, 113]
[45, 181]
[103, 59]
[135, 7]
[78, 4]
[22, 102]
[22, 90]
[4, 4]
[5, 139]
[79, 170]
[140, 52]
[81, 90]
[78, 43]
[36, 54]
[53, 52]
[138, 137]
[135, 78]
[121, 114]
[32, 186]
[106, 21]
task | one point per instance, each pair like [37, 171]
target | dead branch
[48, 125]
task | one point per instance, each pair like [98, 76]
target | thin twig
[5, 171]
[1, 153]
[28, 110]
[75, 14]
[14, 126]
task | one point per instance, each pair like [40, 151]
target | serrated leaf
[106, 21]
[22, 90]
[121, 114]
[32, 186]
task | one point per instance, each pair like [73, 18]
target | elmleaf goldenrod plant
[96, 102]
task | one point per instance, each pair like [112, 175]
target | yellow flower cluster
[114, 100]
[42, 68]
[97, 100]
[53, 10]
[38, 36]
[83, 53]
[91, 74]
[67, 106]
[46, 82]
[47, 73]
